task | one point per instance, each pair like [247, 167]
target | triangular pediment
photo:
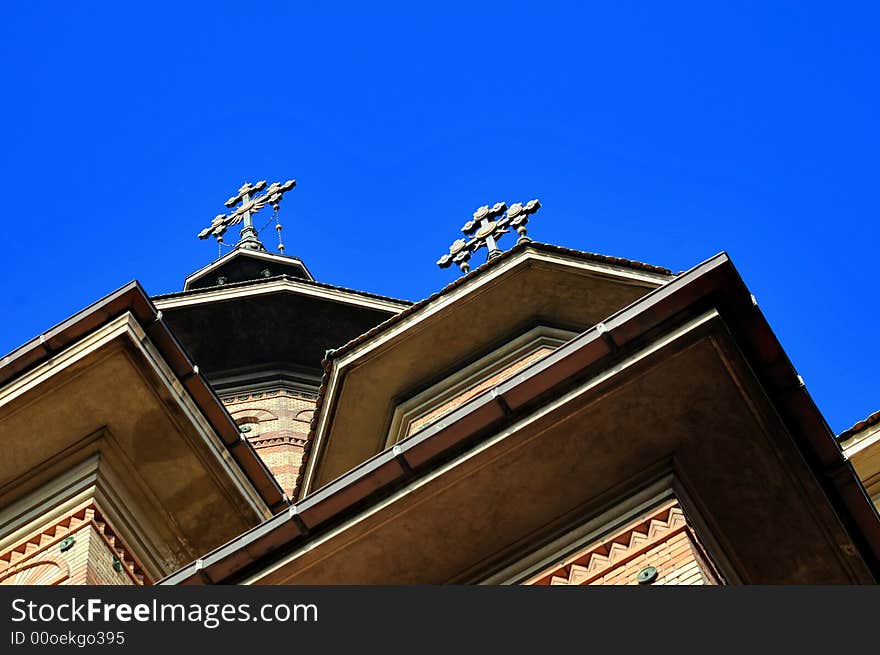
[533, 287]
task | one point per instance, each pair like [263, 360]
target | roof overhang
[861, 446]
[112, 366]
[281, 283]
[689, 378]
[250, 326]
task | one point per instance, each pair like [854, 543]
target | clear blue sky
[664, 132]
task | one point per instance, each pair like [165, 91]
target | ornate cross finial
[488, 225]
[251, 203]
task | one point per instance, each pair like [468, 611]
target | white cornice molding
[861, 441]
[620, 274]
[197, 297]
[471, 375]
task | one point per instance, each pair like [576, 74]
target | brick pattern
[279, 424]
[38, 559]
[484, 385]
[663, 539]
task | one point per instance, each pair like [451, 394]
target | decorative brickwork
[276, 422]
[80, 548]
[47, 571]
[662, 540]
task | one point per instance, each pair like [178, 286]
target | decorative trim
[260, 395]
[526, 254]
[252, 415]
[53, 572]
[629, 505]
[856, 441]
[308, 420]
[609, 554]
[125, 333]
[87, 515]
[281, 283]
[278, 440]
[407, 413]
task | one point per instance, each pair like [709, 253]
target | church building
[550, 417]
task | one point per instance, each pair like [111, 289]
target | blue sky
[663, 132]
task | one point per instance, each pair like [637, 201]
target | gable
[533, 288]
[437, 401]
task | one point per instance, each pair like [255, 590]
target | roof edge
[291, 278]
[869, 421]
[132, 298]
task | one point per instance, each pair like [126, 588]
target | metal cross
[251, 203]
[487, 226]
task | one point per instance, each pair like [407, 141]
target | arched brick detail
[304, 415]
[44, 571]
[252, 415]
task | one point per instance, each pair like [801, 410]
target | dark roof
[366, 336]
[299, 280]
[873, 419]
[715, 281]
[132, 298]
[244, 264]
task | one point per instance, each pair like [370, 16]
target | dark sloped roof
[873, 419]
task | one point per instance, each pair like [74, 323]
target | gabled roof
[713, 284]
[131, 298]
[631, 279]
[494, 263]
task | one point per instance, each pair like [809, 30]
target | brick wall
[76, 549]
[662, 539]
[278, 424]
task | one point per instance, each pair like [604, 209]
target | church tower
[550, 417]
[259, 325]
[150, 430]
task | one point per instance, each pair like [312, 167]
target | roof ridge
[606, 259]
[867, 422]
